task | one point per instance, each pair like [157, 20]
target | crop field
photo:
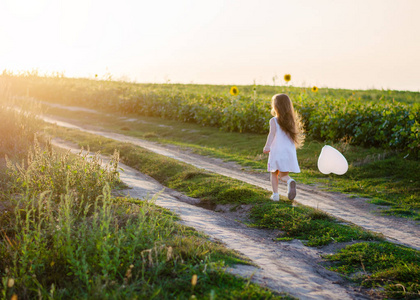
[386, 119]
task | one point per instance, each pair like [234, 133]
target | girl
[285, 136]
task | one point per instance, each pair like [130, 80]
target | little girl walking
[285, 136]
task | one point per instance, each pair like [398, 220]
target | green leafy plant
[329, 115]
[392, 267]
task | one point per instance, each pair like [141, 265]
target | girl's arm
[271, 135]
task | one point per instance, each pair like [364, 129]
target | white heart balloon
[332, 161]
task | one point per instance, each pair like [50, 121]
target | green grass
[64, 236]
[115, 248]
[373, 173]
[314, 227]
[394, 268]
[304, 223]
[209, 187]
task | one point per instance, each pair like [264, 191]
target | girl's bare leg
[275, 181]
[284, 176]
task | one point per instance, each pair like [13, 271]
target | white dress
[282, 154]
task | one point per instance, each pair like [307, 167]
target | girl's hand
[266, 150]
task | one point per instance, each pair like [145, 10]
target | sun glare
[49, 35]
[191, 41]
[25, 8]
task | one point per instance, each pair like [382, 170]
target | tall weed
[18, 128]
[48, 171]
[108, 248]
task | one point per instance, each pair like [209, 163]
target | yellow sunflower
[314, 89]
[287, 77]
[234, 91]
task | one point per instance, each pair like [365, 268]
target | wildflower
[14, 297]
[128, 274]
[287, 77]
[314, 89]
[194, 280]
[234, 91]
[169, 254]
[10, 282]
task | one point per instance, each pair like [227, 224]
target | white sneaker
[291, 189]
[275, 197]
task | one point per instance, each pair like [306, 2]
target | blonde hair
[288, 119]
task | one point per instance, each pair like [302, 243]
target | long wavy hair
[288, 119]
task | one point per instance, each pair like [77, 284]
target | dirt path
[353, 210]
[283, 266]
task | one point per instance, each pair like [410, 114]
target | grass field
[54, 190]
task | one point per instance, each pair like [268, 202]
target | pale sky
[357, 44]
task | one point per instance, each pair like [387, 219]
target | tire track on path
[356, 211]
